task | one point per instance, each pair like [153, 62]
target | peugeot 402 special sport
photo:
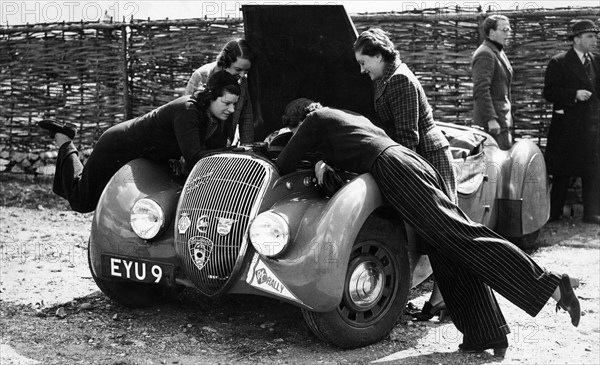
[235, 225]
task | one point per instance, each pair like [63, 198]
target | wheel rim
[370, 286]
[365, 286]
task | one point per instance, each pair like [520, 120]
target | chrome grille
[221, 189]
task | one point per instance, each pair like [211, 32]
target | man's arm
[555, 90]
[483, 67]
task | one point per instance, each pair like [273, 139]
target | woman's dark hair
[297, 110]
[238, 48]
[376, 41]
[218, 83]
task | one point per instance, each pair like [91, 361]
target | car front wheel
[375, 289]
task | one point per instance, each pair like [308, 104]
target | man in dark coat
[572, 83]
[492, 79]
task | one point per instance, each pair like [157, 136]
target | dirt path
[52, 313]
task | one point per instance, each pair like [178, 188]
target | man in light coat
[492, 77]
[572, 84]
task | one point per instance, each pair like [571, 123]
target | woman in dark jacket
[189, 126]
[468, 259]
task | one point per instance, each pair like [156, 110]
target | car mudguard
[523, 196]
[312, 270]
[111, 232]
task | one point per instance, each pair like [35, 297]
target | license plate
[137, 270]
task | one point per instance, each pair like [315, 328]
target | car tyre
[135, 295]
[375, 289]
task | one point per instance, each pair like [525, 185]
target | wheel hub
[366, 284]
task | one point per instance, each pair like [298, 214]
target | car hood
[303, 51]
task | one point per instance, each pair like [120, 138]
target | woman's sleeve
[302, 141]
[190, 132]
[403, 97]
[246, 121]
[194, 82]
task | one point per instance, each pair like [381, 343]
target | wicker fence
[99, 74]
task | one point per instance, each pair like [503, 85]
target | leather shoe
[568, 301]
[593, 219]
[499, 345]
[54, 126]
[428, 311]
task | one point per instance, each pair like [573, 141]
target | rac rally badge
[200, 250]
[263, 278]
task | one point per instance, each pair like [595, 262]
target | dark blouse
[182, 127]
[346, 140]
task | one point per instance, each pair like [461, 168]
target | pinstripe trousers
[468, 259]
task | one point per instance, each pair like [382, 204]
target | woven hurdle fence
[98, 74]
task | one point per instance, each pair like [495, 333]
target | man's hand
[493, 127]
[583, 95]
[320, 169]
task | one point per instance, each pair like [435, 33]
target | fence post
[126, 98]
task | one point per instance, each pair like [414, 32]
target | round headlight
[269, 234]
[146, 218]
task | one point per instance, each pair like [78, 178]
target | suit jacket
[243, 115]
[344, 139]
[492, 78]
[403, 111]
[573, 147]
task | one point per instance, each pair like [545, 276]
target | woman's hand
[320, 169]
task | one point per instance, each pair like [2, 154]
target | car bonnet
[303, 51]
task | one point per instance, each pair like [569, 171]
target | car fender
[523, 190]
[111, 232]
[313, 268]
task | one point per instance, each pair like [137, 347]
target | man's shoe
[54, 126]
[568, 300]
[593, 219]
[499, 345]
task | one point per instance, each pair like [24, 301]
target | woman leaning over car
[189, 126]
[236, 57]
[403, 112]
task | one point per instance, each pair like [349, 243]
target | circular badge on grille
[200, 250]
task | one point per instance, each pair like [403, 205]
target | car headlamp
[146, 218]
[269, 234]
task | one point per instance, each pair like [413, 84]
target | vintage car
[235, 225]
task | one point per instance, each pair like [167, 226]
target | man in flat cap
[572, 84]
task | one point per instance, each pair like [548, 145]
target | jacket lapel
[574, 63]
[501, 56]
[595, 59]
[388, 72]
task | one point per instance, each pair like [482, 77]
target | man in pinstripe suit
[468, 259]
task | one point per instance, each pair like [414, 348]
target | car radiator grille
[220, 197]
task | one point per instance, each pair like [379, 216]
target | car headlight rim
[146, 218]
[269, 234]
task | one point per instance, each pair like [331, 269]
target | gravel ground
[52, 312]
